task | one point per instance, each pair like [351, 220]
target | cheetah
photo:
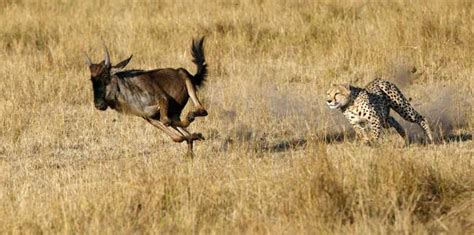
[367, 109]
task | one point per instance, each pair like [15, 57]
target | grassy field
[275, 159]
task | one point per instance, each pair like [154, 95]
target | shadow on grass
[457, 138]
[262, 145]
[441, 139]
[301, 143]
[286, 145]
[334, 138]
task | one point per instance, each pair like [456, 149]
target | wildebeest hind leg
[177, 122]
[200, 110]
[163, 102]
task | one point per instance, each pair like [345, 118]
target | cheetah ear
[347, 86]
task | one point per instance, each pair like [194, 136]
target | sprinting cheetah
[369, 107]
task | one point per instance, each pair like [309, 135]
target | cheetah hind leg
[426, 128]
[400, 104]
[410, 114]
[396, 125]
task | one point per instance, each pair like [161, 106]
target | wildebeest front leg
[175, 135]
[190, 138]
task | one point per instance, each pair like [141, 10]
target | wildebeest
[158, 95]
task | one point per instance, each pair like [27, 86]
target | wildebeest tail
[197, 52]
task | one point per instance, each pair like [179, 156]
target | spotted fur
[367, 109]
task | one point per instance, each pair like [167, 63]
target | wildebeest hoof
[190, 118]
[190, 155]
[197, 136]
[166, 122]
[201, 112]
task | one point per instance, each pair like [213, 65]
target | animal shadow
[441, 139]
[463, 137]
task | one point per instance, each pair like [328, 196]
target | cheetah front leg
[361, 133]
[375, 129]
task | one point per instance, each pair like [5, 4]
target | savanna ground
[276, 160]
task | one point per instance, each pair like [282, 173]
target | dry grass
[275, 159]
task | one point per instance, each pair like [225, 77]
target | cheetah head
[338, 96]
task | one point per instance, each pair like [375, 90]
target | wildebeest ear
[122, 64]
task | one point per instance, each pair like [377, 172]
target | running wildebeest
[158, 95]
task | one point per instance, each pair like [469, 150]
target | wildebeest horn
[107, 56]
[88, 60]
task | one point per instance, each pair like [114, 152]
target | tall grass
[275, 159]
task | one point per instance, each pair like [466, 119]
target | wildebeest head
[101, 75]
